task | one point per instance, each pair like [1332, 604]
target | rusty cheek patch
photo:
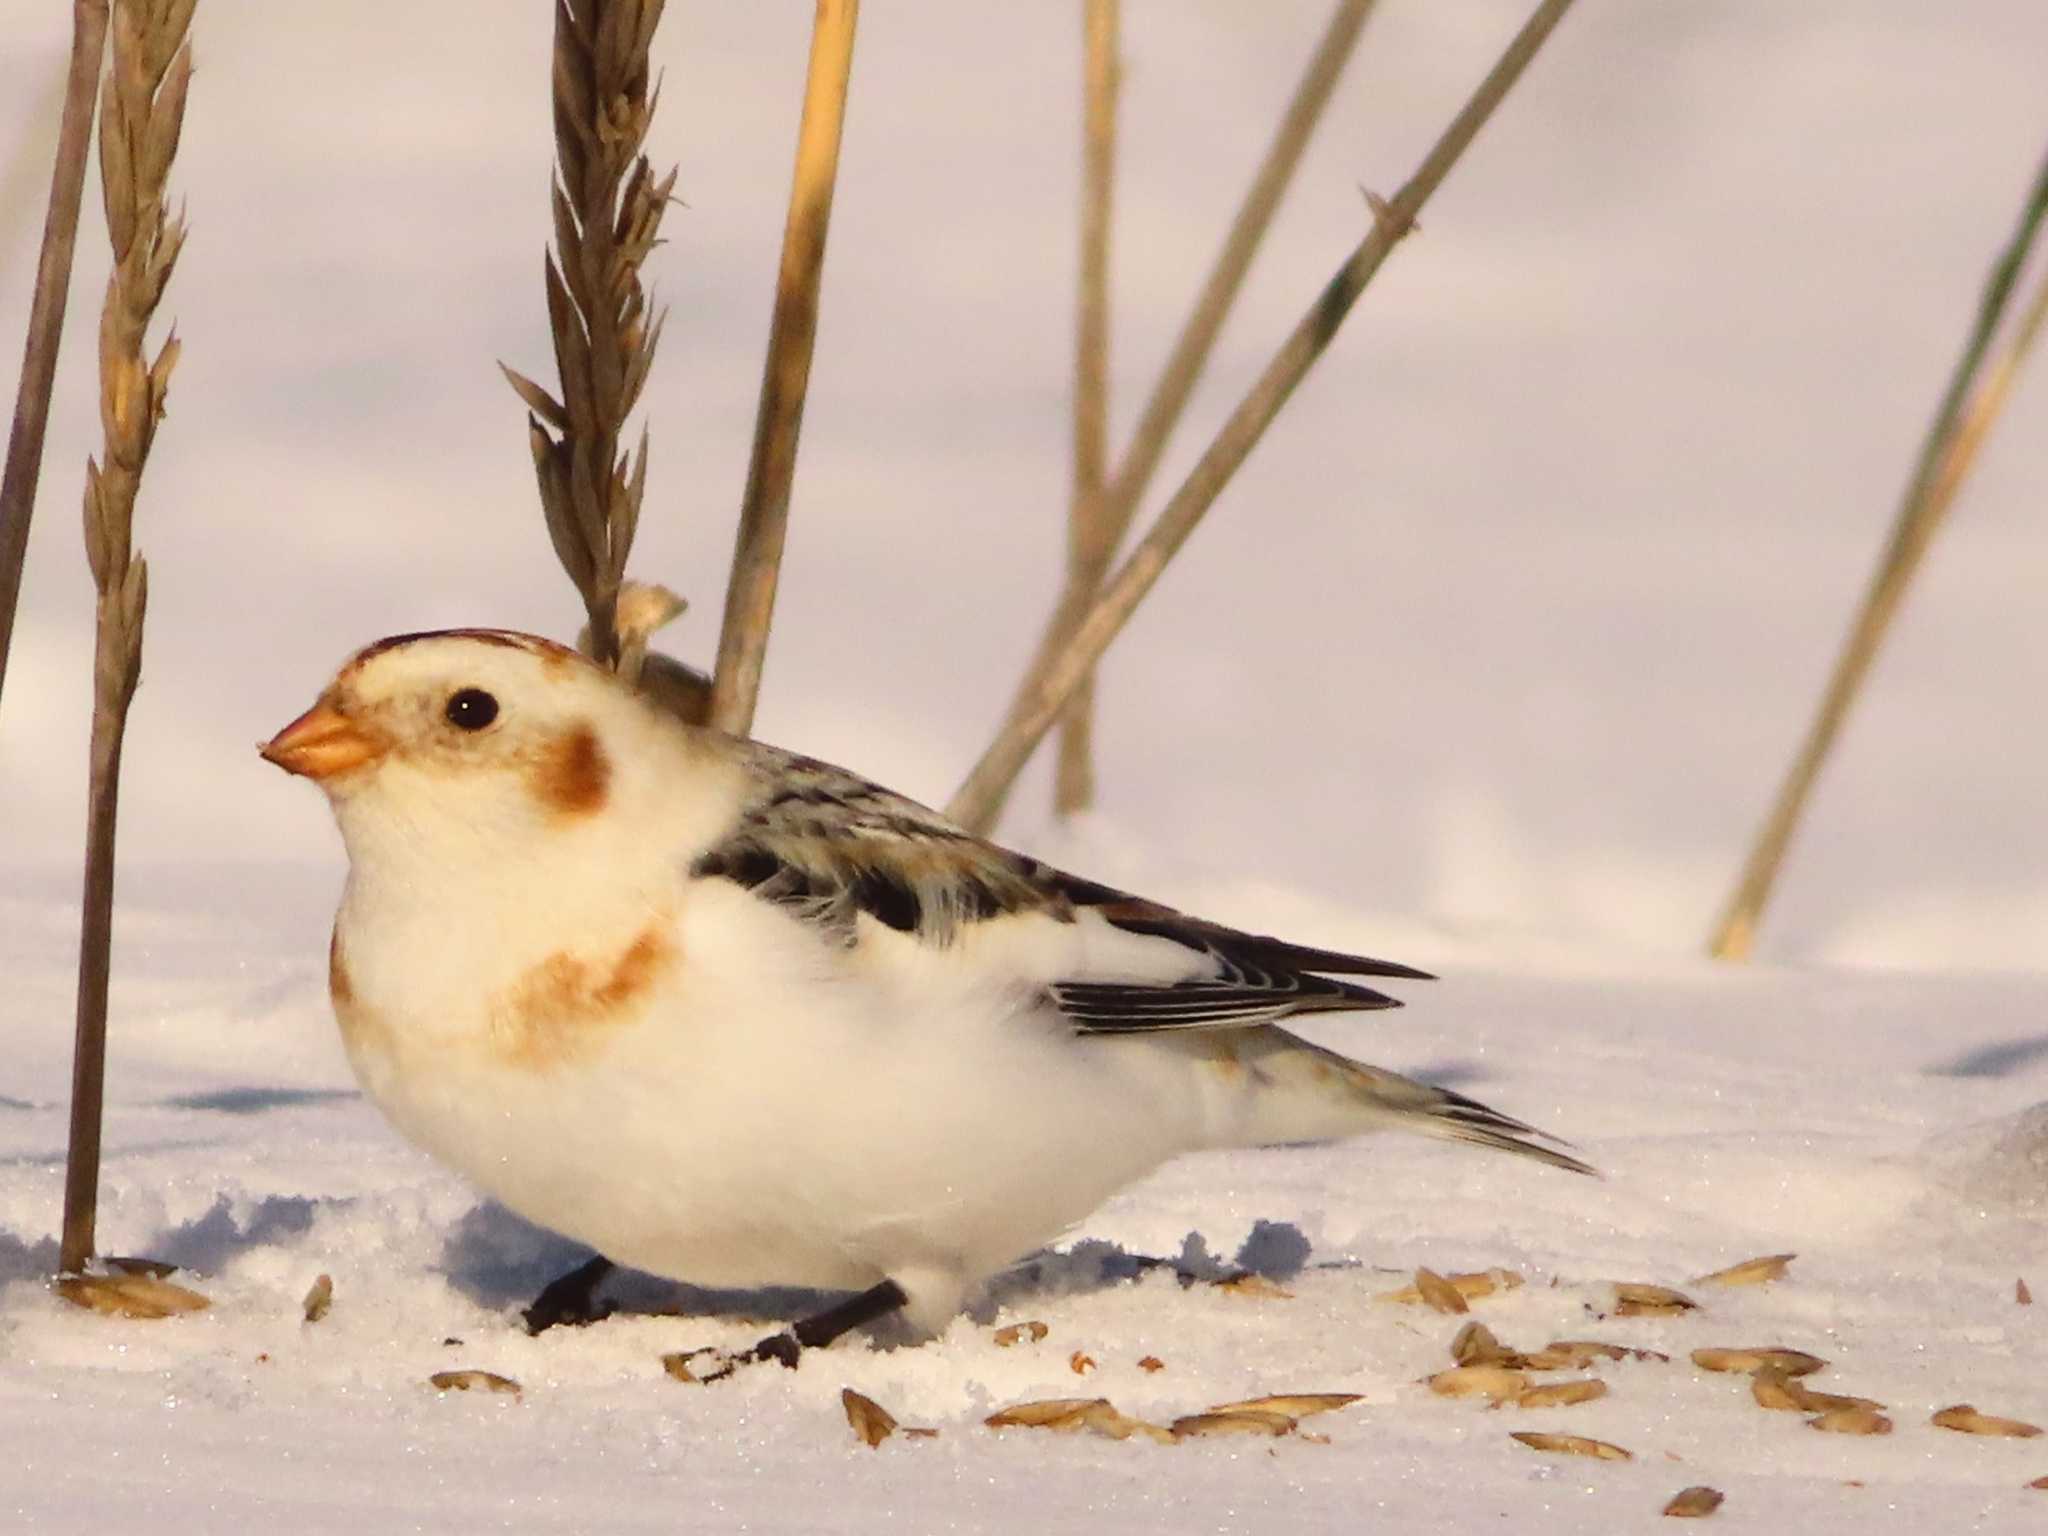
[571, 775]
[562, 1009]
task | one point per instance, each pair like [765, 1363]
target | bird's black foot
[572, 1298]
[715, 1364]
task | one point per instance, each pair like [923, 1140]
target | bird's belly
[795, 1157]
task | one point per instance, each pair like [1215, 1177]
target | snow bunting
[740, 1018]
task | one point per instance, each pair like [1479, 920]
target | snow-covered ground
[1487, 662]
[1878, 1126]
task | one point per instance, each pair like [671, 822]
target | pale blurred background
[1508, 628]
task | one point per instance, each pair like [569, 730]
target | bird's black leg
[811, 1333]
[571, 1298]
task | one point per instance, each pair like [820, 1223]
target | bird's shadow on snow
[2001, 1058]
[501, 1261]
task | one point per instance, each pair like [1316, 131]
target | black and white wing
[832, 848]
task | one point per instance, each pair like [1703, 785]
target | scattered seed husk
[1851, 1421]
[1076, 1415]
[1438, 1294]
[1295, 1405]
[1475, 1344]
[2021, 1294]
[1827, 1402]
[2039, 1482]
[920, 1432]
[1575, 1354]
[1150, 1363]
[1694, 1503]
[1775, 1390]
[1080, 1364]
[319, 1297]
[474, 1381]
[1044, 1413]
[1494, 1382]
[1562, 1394]
[1015, 1333]
[1250, 1284]
[1633, 1298]
[1786, 1362]
[1246, 1421]
[1759, 1271]
[1471, 1286]
[870, 1420]
[1570, 1445]
[1967, 1419]
[135, 1294]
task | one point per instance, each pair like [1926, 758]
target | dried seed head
[1786, 1362]
[1969, 1421]
[870, 1420]
[1760, 1271]
[1694, 1503]
[1570, 1445]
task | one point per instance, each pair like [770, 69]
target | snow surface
[1487, 662]
[1889, 1129]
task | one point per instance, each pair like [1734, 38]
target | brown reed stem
[1190, 355]
[1089, 548]
[607, 215]
[1976, 392]
[46, 311]
[786, 374]
[1063, 663]
[142, 111]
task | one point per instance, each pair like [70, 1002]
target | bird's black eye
[471, 709]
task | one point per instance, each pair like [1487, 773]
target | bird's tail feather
[1306, 1093]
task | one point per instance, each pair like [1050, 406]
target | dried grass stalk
[786, 376]
[1969, 406]
[1090, 543]
[608, 205]
[1064, 664]
[46, 309]
[1108, 514]
[142, 110]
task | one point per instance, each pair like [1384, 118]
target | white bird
[740, 1018]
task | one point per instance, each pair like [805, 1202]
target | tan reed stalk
[1061, 666]
[1191, 349]
[46, 311]
[1089, 546]
[607, 215]
[1976, 392]
[786, 375]
[141, 113]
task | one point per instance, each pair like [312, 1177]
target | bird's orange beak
[321, 743]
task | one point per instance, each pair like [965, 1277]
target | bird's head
[460, 736]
